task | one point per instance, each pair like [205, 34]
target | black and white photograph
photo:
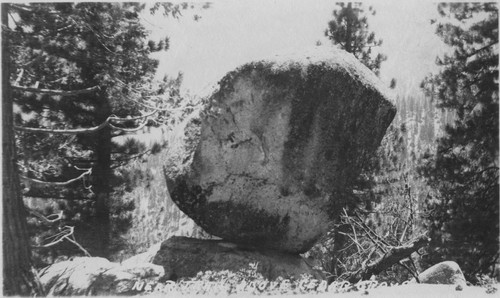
[250, 148]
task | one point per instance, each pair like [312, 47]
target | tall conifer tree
[80, 72]
[463, 219]
[349, 30]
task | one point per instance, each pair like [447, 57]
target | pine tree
[463, 220]
[349, 30]
[80, 76]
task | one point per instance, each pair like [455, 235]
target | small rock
[95, 276]
[445, 273]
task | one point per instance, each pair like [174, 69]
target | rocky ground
[407, 291]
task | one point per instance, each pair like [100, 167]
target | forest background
[79, 188]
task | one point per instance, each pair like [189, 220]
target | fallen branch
[393, 256]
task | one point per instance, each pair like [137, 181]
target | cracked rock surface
[273, 154]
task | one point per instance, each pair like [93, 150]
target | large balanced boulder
[276, 149]
[184, 257]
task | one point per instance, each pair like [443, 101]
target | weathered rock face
[277, 148]
[185, 257]
[445, 273]
[96, 276]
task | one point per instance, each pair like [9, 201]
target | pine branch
[47, 219]
[151, 107]
[479, 50]
[132, 157]
[487, 169]
[56, 92]
[117, 119]
[46, 193]
[90, 129]
[59, 237]
[28, 8]
[141, 126]
[66, 234]
[64, 131]
[87, 172]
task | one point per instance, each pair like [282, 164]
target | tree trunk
[19, 277]
[349, 33]
[102, 178]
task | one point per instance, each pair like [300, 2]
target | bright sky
[231, 33]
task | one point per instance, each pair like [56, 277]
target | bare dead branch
[368, 230]
[358, 245]
[415, 275]
[378, 241]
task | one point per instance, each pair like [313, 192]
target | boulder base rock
[444, 273]
[277, 148]
[95, 276]
[185, 257]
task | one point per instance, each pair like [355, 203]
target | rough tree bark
[19, 277]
